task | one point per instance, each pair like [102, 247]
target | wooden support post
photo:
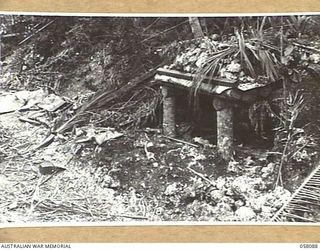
[168, 118]
[224, 127]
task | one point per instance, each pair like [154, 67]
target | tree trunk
[224, 127]
[136, 22]
[197, 33]
[169, 105]
[195, 27]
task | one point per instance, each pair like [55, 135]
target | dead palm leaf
[304, 204]
[212, 66]
[243, 54]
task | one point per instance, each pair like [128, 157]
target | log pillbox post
[224, 127]
[169, 103]
[225, 94]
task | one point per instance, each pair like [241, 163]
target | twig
[201, 176]
[148, 27]
[45, 142]
[49, 177]
[45, 26]
[132, 216]
[305, 47]
[274, 153]
[302, 147]
[149, 155]
[283, 162]
[32, 206]
[165, 31]
[181, 141]
[29, 120]
[88, 207]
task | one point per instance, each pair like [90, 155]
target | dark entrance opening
[201, 122]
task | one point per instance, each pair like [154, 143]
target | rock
[201, 59]
[234, 167]
[220, 182]
[141, 141]
[203, 210]
[258, 184]
[109, 182]
[278, 197]
[224, 211]
[267, 212]
[256, 204]
[254, 171]
[241, 184]
[315, 58]
[245, 213]
[266, 209]
[216, 195]
[269, 199]
[201, 141]
[282, 193]
[278, 203]
[230, 191]
[268, 170]
[239, 203]
[228, 200]
[171, 189]
[215, 37]
[234, 67]
[222, 206]
[249, 161]
[189, 192]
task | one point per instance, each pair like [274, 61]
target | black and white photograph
[159, 119]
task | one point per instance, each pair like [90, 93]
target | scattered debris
[83, 141]
[10, 103]
[52, 103]
[99, 135]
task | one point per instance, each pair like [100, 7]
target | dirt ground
[139, 176]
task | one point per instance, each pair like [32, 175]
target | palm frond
[268, 64]
[212, 66]
[304, 203]
[243, 53]
[261, 27]
[299, 23]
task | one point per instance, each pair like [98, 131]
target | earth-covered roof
[241, 63]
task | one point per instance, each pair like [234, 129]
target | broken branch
[202, 176]
[181, 141]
